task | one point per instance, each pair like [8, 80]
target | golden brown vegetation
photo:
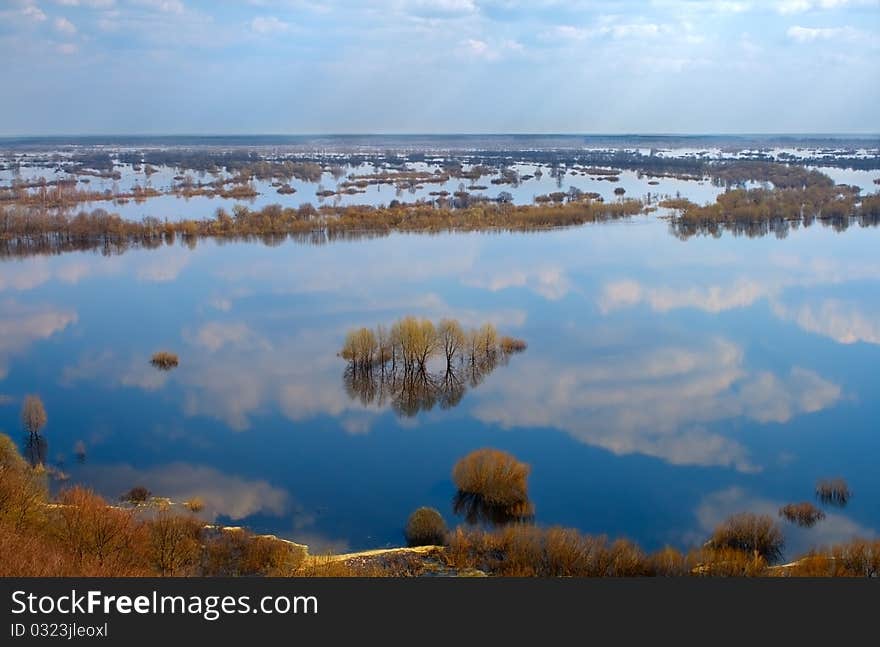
[412, 342]
[494, 475]
[798, 196]
[392, 364]
[28, 230]
[804, 514]
[425, 527]
[511, 345]
[33, 415]
[833, 491]
[82, 535]
[165, 361]
[750, 533]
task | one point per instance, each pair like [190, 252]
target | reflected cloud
[550, 282]
[216, 334]
[715, 507]
[223, 494]
[163, 265]
[106, 367]
[713, 298]
[657, 402]
[844, 322]
[22, 325]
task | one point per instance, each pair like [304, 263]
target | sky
[441, 66]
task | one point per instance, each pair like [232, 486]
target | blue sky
[345, 66]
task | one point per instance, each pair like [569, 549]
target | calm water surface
[667, 383]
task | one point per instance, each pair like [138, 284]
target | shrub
[23, 490]
[237, 552]
[726, 562]
[495, 476]
[174, 543]
[93, 530]
[137, 494]
[668, 562]
[195, 504]
[750, 533]
[803, 514]
[33, 414]
[833, 491]
[511, 345]
[165, 361]
[425, 527]
[528, 551]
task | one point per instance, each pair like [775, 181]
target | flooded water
[666, 384]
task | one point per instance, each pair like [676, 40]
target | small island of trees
[416, 363]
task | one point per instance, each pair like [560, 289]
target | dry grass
[164, 360]
[833, 492]
[804, 514]
[425, 527]
[529, 551]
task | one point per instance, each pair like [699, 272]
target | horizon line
[452, 134]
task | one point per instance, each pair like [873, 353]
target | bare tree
[33, 415]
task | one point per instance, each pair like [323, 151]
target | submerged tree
[394, 365]
[33, 415]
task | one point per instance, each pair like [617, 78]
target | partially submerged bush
[510, 345]
[425, 527]
[164, 360]
[751, 533]
[137, 494]
[833, 491]
[804, 514]
[496, 476]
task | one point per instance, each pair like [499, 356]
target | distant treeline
[800, 197]
[25, 231]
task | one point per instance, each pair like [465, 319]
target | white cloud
[67, 49]
[267, 25]
[64, 26]
[480, 49]
[786, 7]
[94, 4]
[33, 12]
[812, 34]
[165, 6]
